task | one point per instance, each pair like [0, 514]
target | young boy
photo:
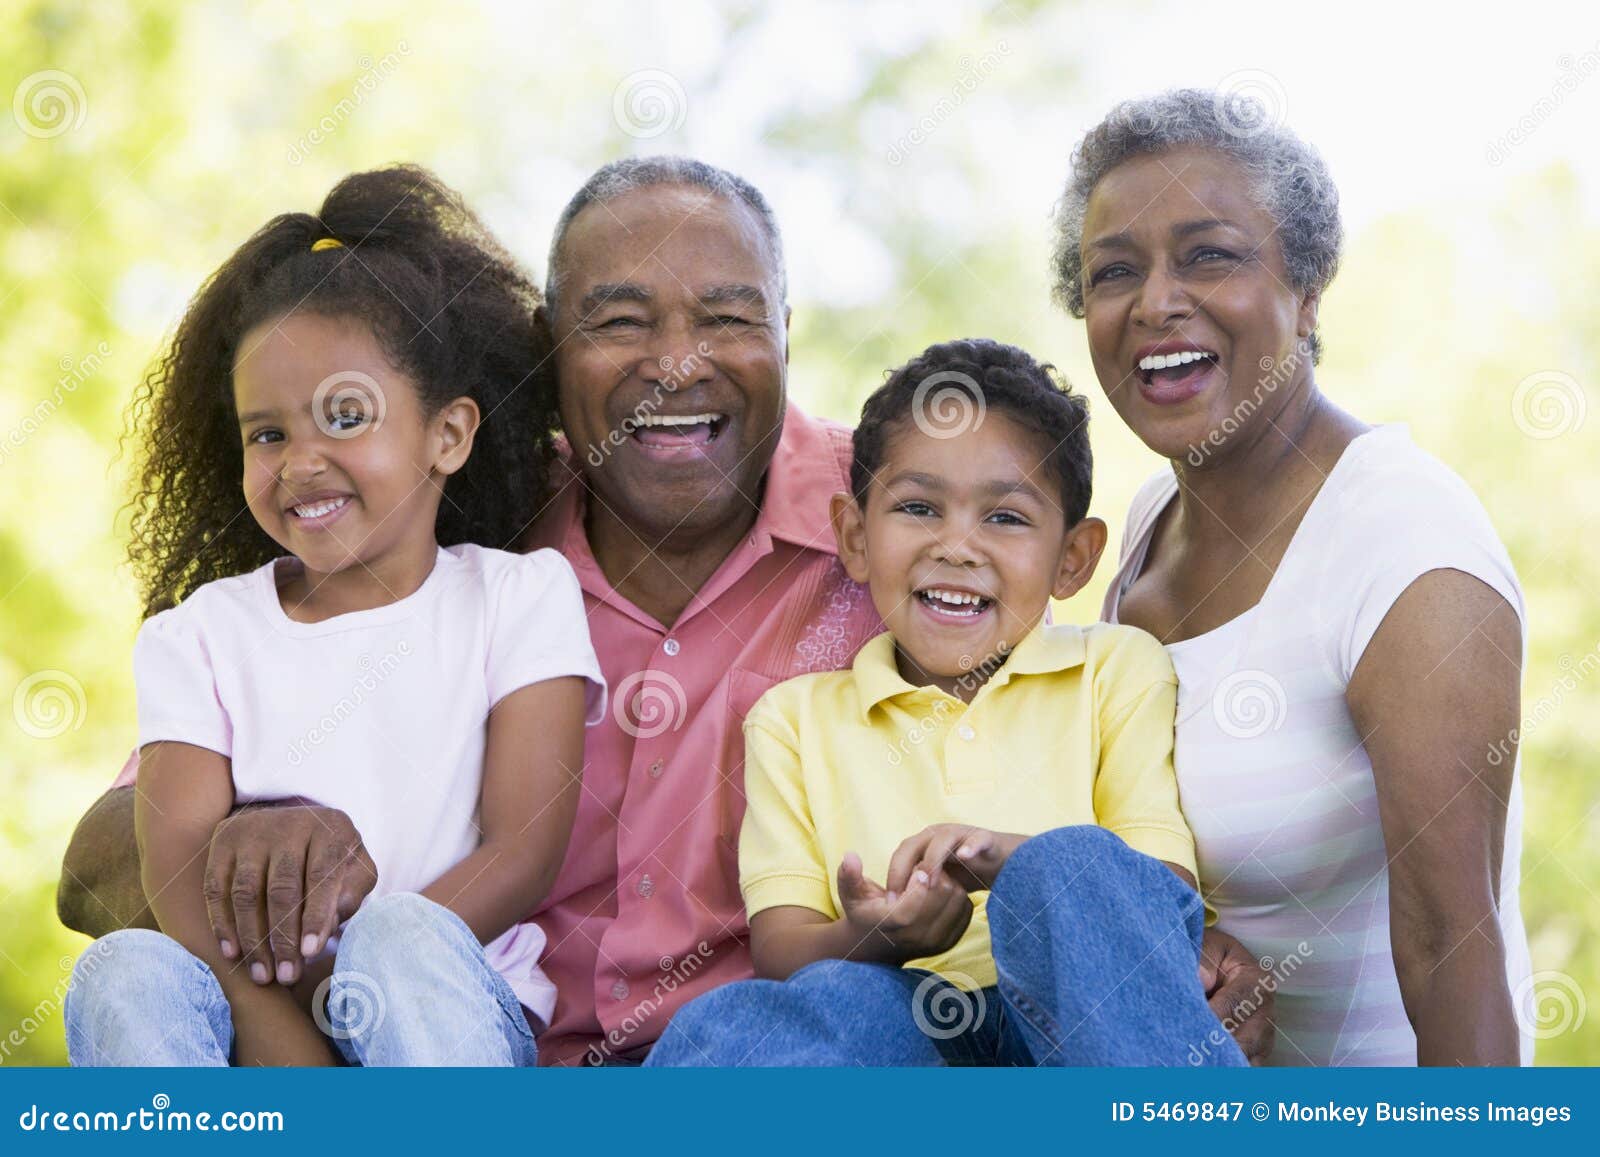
[967, 848]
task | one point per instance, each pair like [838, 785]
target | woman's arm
[532, 774]
[184, 792]
[1437, 688]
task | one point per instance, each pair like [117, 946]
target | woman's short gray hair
[1292, 183]
[613, 180]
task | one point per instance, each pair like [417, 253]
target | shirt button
[647, 886]
[966, 732]
[619, 990]
[655, 770]
[670, 647]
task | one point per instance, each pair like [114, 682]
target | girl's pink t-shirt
[381, 713]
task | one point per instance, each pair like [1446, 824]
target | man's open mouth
[953, 603]
[671, 431]
[1173, 369]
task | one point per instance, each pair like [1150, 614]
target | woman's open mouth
[669, 434]
[1176, 376]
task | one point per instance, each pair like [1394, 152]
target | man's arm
[312, 856]
[99, 890]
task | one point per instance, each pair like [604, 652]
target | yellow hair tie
[326, 243]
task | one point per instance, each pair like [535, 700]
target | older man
[695, 512]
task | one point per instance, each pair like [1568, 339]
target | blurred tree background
[912, 153]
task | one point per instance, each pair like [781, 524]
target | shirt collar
[810, 466]
[1047, 649]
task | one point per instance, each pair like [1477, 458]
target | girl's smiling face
[962, 541]
[341, 465]
[1191, 323]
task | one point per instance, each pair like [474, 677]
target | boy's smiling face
[962, 541]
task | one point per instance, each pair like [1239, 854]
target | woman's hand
[279, 879]
[1239, 993]
[971, 856]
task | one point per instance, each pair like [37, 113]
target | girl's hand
[928, 917]
[971, 856]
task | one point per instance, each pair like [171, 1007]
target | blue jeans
[410, 986]
[1097, 950]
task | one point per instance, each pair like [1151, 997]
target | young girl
[369, 380]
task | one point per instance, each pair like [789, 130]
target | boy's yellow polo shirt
[1075, 728]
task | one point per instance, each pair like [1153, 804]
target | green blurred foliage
[200, 122]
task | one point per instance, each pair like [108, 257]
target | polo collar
[1046, 650]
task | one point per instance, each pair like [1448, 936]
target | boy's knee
[838, 979]
[1062, 855]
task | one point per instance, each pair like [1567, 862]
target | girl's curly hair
[449, 307]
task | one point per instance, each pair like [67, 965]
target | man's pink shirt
[647, 914]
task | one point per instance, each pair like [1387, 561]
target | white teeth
[677, 419]
[1167, 361]
[318, 509]
[953, 598]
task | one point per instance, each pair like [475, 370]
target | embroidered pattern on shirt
[829, 643]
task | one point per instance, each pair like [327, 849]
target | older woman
[1347, 629]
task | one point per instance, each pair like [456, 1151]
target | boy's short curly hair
[952, 386]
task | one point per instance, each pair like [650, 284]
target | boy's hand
[924, 919]
[971, 856]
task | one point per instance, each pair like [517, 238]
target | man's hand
[970, 856]
[1239, 993]
[925, 919]
[279, 879]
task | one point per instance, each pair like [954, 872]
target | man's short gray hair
[1292, 184]
[612, 180]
